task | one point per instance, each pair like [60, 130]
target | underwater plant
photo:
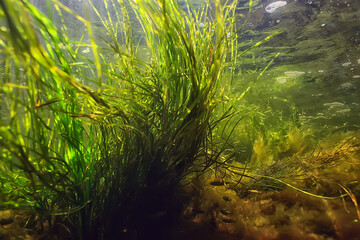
[101, 143]
[99, 132]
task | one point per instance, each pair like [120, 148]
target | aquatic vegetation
[261, 156]
[104, 150]
[96, 141]
[309, 192]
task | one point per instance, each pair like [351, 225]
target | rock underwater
[275, 5]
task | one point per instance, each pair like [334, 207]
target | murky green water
[318, 68]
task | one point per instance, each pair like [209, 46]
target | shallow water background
[318, 68]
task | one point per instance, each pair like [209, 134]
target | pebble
[346, 110]
[334, 104]
[275, 5]
[294, 73]
[281, 79]
[6, 217]
[347, 87]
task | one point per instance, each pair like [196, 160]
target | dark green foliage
[112, 155]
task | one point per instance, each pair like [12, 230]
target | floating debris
[356, 76]
[86, 50]
[275, 5]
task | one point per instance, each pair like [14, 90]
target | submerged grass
[110, 157]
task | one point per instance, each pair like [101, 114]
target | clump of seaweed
[309, 194]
